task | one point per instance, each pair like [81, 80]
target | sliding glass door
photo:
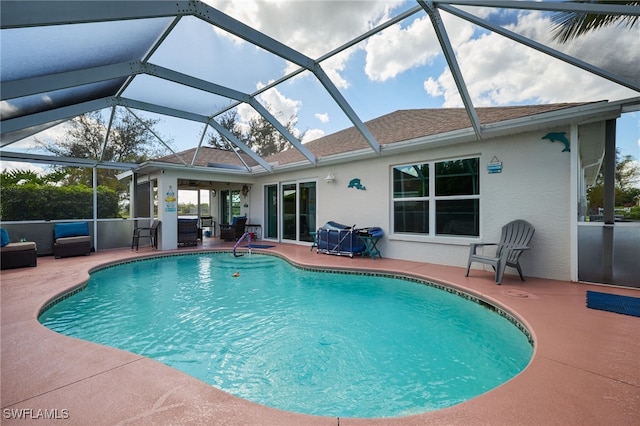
[298, 214]
[289, 208]
[306, 210]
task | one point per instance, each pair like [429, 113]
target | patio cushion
[235, 219]
[26, 245]
[73, 240]
[62, 230]
[4, 237]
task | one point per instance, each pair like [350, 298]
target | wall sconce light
[330, 178]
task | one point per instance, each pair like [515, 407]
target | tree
[23, 177]
[264, 139]
[229, 120]
[129, 141]
[258, 134]
[570, 25]
[626, 193]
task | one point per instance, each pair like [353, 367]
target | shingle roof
[398, 126]
[209, 156]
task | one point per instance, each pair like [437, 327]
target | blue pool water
[330, 344]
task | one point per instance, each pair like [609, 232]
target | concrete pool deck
[585, 369]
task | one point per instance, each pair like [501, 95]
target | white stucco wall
[534, 185]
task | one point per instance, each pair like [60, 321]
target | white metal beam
[450, 56]
[64, 80]
[64, 113]
[150, 130]
[162, 110]
[195, 154]
[156, 45]
[563, 6]
[106, 136]
[20, 14]
[15, 136]
[275, 123]
[227, 134]
[225, 22]
[23, 14]
[64, 161]
[158, 109]
[346, 108]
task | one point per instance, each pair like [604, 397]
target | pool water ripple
[343, 345]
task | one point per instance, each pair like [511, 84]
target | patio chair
[188, 231]
[16, 254]
[146, 232]
[514, 240]
[71, 239]
[234, 230]
[208, 223]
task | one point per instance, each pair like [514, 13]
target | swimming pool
[334, 344]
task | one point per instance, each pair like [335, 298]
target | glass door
[307, 210]
[289, 208]
[298, 211]
[229, 206]
[271, 211]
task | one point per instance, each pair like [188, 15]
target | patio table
[370, 243]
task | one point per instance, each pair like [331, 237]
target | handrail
[246, 235]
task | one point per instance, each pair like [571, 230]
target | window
[437, 198]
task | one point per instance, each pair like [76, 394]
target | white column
[168, 212]
[574, 190]
[95, 208]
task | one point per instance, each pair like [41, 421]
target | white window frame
[432, 199]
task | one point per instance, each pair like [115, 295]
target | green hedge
[34, 202]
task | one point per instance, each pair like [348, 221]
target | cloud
[397, 49]
[312, 27]
[601, 48]
[312, 134]
[500, 71]
[281, 107]
[324, 118]
[50, 135]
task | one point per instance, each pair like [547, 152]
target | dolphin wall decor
[355, 183]
[559, 137]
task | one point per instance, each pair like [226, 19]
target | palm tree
[570, 25]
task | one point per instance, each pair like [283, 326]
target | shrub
[44, 202]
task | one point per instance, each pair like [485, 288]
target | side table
[371, 248]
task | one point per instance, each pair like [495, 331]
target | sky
[401, 67]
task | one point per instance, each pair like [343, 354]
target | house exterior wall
[534, 185]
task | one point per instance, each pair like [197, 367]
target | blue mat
[614, 303]
[258, 246]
